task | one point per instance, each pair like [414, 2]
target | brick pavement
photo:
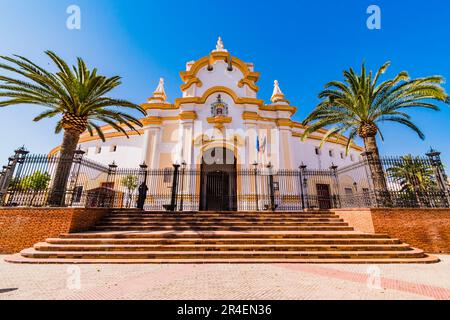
[227, 281]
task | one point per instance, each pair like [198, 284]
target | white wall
[127, 155]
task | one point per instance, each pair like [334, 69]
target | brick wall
[21, 228]
[426, 229]
[360, 219]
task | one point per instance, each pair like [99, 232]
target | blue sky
[303, 44]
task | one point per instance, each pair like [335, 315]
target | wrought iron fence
[414, 182]
[29, 180]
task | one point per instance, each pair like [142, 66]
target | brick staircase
[130, 236]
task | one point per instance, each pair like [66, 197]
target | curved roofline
[216, 56]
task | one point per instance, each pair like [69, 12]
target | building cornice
[249, 83]
[216, 56]
[190, 82]
[109, 135]
[188, 115]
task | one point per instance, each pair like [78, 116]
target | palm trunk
[376, 168]
[68, 148]
[418, 197]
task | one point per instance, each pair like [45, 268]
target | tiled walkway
[222, 281]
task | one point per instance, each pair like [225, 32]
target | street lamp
[255, 164]
[183, 168]
[143, 187]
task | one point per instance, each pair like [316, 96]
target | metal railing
[29, 180]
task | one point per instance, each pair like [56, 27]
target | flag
[264, 144]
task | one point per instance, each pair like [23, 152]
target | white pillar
[250, 143]
[285, 151]
[187, 154]
[152, 137]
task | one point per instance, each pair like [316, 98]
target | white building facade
[218, 109]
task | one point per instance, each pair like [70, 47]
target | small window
[331, 153]
[317, 150]
[98, 150]
[113, 148]
[342, 155]
[352, 158]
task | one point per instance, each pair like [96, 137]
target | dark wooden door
[323, 196]
[218, 184]
[217, 191]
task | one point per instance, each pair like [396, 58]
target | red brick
[20, 228]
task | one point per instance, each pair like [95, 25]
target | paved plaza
[226, 281]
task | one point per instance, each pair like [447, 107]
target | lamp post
[255, 165]
[271, 187]
[183, 168]
[302, 168]
[143, 187]
[173, 200]
[435, 159]
[18, 159]
[78, 157]
[333, 169]
[112, 170]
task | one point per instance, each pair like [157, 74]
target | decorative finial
[160, 93]
[219, 46]
[277, 94]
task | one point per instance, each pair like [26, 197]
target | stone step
[219, 227]
[222, 213]
[223, 235]
[200, 223]
[32, 253]
[217, 219]
[133, 236]
[18, 258]
[220, 247]
[231, 215]
[236, 241]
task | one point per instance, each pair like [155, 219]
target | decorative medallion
[219, 108]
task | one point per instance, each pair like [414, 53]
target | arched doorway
[218, 186]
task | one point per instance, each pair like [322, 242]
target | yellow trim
[96, 137]
[187, 85]
[212, 90]
[157, 105]
[213, 57]
[188, 115]
[249, 83]
[250, 115]
[219, 119]
[341, 140]
[279, 107]
[282, 122]
[152, 120]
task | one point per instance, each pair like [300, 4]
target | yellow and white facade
[219, 107]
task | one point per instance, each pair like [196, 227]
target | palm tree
[76, 94]
[359, 104]
[413, 175]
